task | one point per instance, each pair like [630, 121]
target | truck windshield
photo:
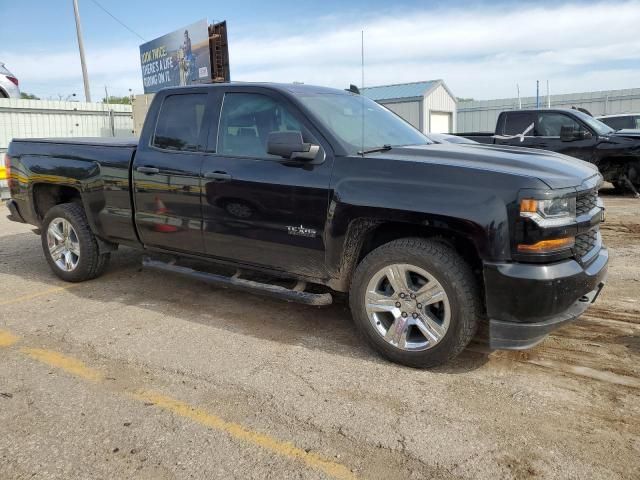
[599, 127]
[343, 115]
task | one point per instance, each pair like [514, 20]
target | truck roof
[531, 110]
[294, 88]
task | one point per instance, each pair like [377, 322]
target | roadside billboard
[178, 58]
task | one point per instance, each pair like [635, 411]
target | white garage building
[429, 106]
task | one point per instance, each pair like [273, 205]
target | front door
[260, 209]
[166, 175]
[548, 130]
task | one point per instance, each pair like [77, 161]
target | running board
[296, 294]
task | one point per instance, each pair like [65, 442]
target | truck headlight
[554, 212]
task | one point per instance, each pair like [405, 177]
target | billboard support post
[219, 52]
[83, 63]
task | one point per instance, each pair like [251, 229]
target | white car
[622, 121]
[8, 83]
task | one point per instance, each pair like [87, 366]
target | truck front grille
[585, 242]
[586, 201]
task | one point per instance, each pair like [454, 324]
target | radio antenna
[362, 85]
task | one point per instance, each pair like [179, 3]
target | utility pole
[537, 93]
[85, 76]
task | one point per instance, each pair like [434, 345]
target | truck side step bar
[295, 294]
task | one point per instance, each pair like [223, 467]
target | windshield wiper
[383, 148]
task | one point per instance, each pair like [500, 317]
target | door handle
[219, 176]
[148, 170]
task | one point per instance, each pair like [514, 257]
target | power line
[119, 21]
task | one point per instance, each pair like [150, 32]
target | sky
[481, 49]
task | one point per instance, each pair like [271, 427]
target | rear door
[518, 127]
[261, 209]
[166, 173]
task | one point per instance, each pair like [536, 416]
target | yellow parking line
[68, 364]
[287, 450]
[31, 296]
[236, 430]
[7, 338]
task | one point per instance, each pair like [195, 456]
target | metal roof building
[429, 106]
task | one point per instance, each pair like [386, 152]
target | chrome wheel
[408, 307]
[63, 243]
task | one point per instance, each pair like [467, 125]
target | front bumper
[526, 301]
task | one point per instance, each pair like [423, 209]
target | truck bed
[97, 167]
[97, 141]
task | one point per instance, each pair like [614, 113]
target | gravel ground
[136, 376]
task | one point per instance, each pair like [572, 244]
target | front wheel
[416, 302]
[69, 245]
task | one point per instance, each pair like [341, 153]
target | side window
[517, 123]
[180, 121]
[246, 121]
[550, 124]
[613, 122]
[618, 123]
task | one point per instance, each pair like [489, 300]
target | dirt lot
[137, 376]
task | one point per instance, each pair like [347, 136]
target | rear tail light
[13, 80]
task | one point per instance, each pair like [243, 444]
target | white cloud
[480, 52]
[50, 74]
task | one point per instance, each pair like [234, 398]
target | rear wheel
[416, 302]
[69, 245]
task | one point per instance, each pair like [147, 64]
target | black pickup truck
[306, 191]
[575, 133]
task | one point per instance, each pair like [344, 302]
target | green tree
[28, 96]
[125, 100]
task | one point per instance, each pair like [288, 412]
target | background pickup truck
[574, 133]
[292, 185]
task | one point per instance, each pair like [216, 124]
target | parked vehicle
[428, 239]
[574, 133]
[8, 83]
[622, 121]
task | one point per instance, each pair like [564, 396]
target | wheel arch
[613, 168]
[46, 196]
[365, 235]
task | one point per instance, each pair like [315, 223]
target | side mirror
[289, 145]
[569, 134]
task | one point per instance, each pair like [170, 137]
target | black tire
[91, 263]
[454, 275]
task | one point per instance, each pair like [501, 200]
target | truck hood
[554, 169]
